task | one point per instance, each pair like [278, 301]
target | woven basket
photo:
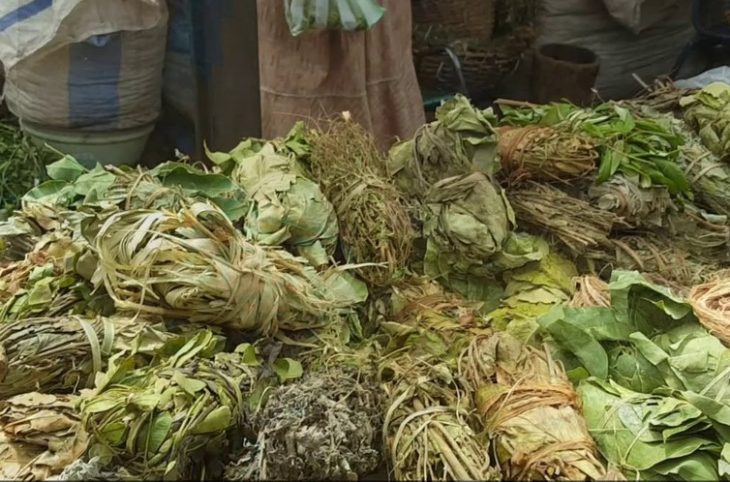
[463, 18]
[483, 66]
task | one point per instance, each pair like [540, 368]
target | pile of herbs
[22, 166]
[310, 308]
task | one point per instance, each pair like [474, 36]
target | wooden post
[225, 37]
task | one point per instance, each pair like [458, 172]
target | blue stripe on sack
[23, 13]
[93, 82]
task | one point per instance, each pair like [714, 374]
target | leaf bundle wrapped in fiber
[48, 283]
[708, 111]
[196, 265]
[467, 221]
[656, 256]
[63, 354]
[426, 427]
[711, 303]
[639, 206]
[710, 178]
[573, 222]
[460, 141]
[545, 154]
[288, 208]
[705, 236]
[46, 426]
[322, 427]
[375, 225]
[531, 412]
[427, 431]
[160, 421]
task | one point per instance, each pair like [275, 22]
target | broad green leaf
[217, 420]
[94, 183]
[209, 185]
[287, 369]
[155, 432]
[581, 344]
[190, 385]
[218, 158]
[65, 169]
[52, 192]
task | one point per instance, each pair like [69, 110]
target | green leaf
[250, 356]
[578, 342]
[51, 192]
[65, 169]
[190, 385]
[94, 183]
[209, 185]
[218, 420]
[218, 158]
[287, 369]
[156, 432]
[234, 209]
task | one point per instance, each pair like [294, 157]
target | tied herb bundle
[460, 141]
[545, 154]
[653, 255]
[164, 420]
[637, 146]
[375, 224]
[561, 217]
[41, 435]
[63, 354]
[708, 112]
[288, 208]
[196, 265]
[531, 412]
[427, 427]
[639, 207]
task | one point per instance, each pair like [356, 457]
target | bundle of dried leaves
[375, 224]
[561, 217]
